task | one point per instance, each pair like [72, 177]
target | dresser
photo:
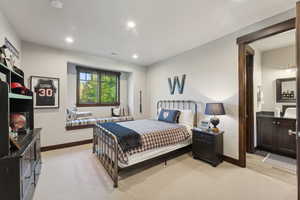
[208, 146]
[19, 172]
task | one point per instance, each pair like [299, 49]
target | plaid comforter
[154, 134]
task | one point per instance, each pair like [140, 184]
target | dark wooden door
[250, 101]
[265, 136]
[298, 91]
[4, 140]
[285, 141]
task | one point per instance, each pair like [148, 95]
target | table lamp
[214, 109]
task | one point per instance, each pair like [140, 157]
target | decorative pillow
[83, 115]
[170, 116]
[71, 114]
[116, 112]
[186, 118]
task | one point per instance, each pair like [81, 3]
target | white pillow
[157, 114]
[83, 115]
[117, 111]
[125, 111]
[186, 118]
[71, 114]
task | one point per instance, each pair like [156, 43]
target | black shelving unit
[4, 110]
[12, 103]
[20, 157]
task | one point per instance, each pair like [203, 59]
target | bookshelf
[13, 103]
[20, 156]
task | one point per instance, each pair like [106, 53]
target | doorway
[245, 132]
[245, 89]
[271, 106]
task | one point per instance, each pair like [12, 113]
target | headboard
[180, 104]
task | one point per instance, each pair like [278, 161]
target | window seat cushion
[91, 122]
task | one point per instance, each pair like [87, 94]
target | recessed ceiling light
[131, 24]
[135, 56]
[69, 40]
[57, 4]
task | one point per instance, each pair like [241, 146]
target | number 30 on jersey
[45, 92]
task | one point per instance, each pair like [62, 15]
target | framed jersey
[45, 92]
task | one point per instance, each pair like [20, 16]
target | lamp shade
[214, 109]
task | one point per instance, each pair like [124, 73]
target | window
[97, 87]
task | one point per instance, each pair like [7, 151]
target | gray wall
[50, 62]
[212, 75]
[272, 63]
[8, 31]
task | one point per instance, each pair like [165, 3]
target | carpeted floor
[75, 174]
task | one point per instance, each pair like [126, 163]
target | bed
[156, 138]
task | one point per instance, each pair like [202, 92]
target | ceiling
[164, 27]
[277, 41]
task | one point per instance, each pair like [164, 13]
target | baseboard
[232, 161]
[66, 145]
[71, 128]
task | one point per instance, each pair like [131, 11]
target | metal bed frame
[105, 144]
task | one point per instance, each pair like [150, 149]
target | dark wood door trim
[267, 32]
[249, 98]
[242, 104]
[298, 90]
[242, 51]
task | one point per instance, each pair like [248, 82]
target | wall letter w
[176, 82]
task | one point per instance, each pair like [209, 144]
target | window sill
[97, 105]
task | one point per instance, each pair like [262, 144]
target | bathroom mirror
[286, 90]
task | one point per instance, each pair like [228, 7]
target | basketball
[18, 121]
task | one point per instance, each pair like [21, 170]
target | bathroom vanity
[274, 134]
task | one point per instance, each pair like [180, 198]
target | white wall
[45, 61]
[212, 75]
[104, 111]
[257, 81]
[272, 61]
[7, 31]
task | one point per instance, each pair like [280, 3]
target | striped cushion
[93, 121]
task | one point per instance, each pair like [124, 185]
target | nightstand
[208, 146]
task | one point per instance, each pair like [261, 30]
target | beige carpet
[75, 174]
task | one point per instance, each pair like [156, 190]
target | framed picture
[45, 92]
[204, 124]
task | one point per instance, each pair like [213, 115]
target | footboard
[105, 146]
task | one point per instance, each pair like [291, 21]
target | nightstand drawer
[203, 150]
[208, 146]
[201, 138]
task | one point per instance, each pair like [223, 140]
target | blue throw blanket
[128, 139]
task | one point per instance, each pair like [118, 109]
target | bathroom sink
[290, 113]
